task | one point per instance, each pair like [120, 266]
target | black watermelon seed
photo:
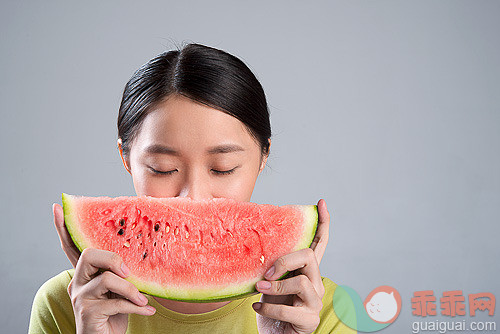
[144, 255]
[122, 222]
[157, 227]
[120, 232]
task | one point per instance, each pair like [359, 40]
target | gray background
[388, 110]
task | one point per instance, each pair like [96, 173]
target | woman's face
[187, 149]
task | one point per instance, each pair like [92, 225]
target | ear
[264, 159]
[120, 148]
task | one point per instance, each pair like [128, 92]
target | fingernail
[143, 298]
[256, 306]
[263, 285]
[151, 309]
[125, 270]
[269, 272]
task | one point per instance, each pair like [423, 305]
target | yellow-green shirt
[52, 312]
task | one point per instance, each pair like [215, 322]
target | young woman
[193, 123]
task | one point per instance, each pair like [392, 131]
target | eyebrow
[226, 148]
[160, 149]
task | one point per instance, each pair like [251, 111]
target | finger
[321, 238]
[111, 307]
[67, 243]
[108, 281]
[289, 329]
[304, 260]
[93, 259]
[293, 315]
[298, 285]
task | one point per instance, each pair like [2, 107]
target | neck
[189, 308]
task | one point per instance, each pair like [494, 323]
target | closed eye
[162, 172]
[224, 172]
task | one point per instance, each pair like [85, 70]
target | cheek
[146, 184]
[239, 187]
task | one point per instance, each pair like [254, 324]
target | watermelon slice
[181, 249]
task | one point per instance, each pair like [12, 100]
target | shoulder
[57, 282]
[52, 310]
[330, 323]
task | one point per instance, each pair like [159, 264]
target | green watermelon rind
[236, 291]
[70, 222]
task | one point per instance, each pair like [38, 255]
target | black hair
[204, 74]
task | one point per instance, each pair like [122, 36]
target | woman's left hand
[292, 305]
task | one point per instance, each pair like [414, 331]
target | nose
[196, 185]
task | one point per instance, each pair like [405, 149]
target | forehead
[191, 126]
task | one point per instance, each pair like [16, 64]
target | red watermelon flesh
[182, 249]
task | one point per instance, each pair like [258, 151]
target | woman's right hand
[101, 300]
